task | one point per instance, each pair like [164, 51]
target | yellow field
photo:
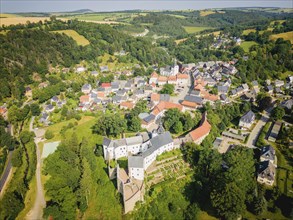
[285, 36]
[180, 40]
[205, 13]
[191, 30]
[280, 21]
[247, 31]
[210, 12]
[21, 20]
[7, 15]
[80, 40]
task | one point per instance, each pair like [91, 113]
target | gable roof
[135, 161]
[195, 99]
[268, 153]
[202, 130]
[182, 76]
[266, 170]
[248, 117]
[163, 105]
[154, 75]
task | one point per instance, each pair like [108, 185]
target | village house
[172, 80]
[28, 92]
[104, 69]
[279, 83]
[3, 112]
[182, 79]
[44, 118]
[94, 73]
[49, 108]
[126, 105]
[268, 153]
[80, 69]
[86, 88]
[200, 133]
[266, 173]
[275, 131]
[247, 120]
[162, 80]
[154, 78]
[163, 106]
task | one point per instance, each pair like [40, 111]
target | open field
[80, 40]
[285, 36]
[82, 129]
[247, 31]
[280, 21]
[247, 44]
[191, 30]
[8, 16]
[21, 20]
[209, 12]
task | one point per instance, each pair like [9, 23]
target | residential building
[266, 173]
[200, 133]
[182, 79]
[162, 80]
[275, 131]
[86, 88]
[247, 120]
[154, 78]
[268, 153]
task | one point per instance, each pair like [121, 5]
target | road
[6, 172]
[37, 211]
[257, 130]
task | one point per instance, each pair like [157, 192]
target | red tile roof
[154, 75]
[182, 76]
[172, 78]
[202, 130]
[128, 105]
[163, 105]
[155, 97]
[162, 79]
[189, 104]
[106, 85]
[84, 98]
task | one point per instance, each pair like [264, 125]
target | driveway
[257, 130]
[37, 211]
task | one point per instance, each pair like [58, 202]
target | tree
[178, 127]
[35, 109]
[49, 134]
[64, 111]
[168, 89]
[134, 124]
[278, 113]
[172, 116]
[16, 159]
[3, 122]
[228, 199]
[26, 136]
[263, 101]
[192, 212]
[110, 125]
[191, 152]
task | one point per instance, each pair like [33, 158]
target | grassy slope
[286, 36]
[80, 40]
[191, 30]
[247, 44]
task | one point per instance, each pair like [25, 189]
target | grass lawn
[191, 30]
[285, 36]
[205, 216]
[266, 215]
[82, 129]
[29, 199]
[80, 40]
[247, 44]
[247, 31]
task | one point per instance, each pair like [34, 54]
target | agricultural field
[8, 16]
[247, 44]
[247, 31]
[80, 40]
[285, 36]
[21, 20]
[113, 63]
[191, 30]
[209, 12]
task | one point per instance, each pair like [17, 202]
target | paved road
[6, 172]
[257, 130]
[37, 211]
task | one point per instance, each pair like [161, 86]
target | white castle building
[140, 150]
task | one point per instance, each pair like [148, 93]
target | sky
[115, 5]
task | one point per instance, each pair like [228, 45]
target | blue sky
[99, 5]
